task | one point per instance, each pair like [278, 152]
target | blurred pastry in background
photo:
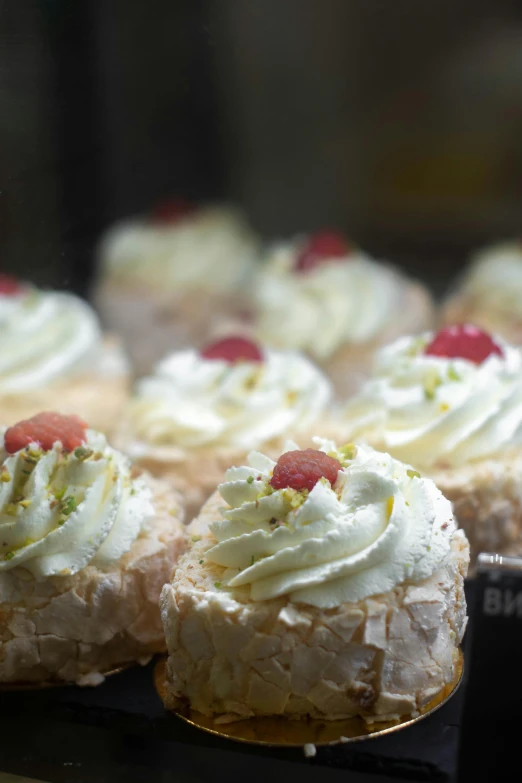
[166, 278]
[489, 293]
[327, 584]
[202, 411]
[86, 545]
[450, 404]
[55, 356]
[321, 295]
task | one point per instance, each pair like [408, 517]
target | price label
[491, 736]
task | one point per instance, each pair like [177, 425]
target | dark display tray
[120, 731]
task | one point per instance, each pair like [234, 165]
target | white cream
[212, 249]
[494, 279]
[60, 511]
[45, 336]
[319, 310]
[430, 410]
[377, 527]
[193, 402]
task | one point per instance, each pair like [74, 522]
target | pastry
[85, 547]
[320, 295]
[203, 410]
[54, 356]
[490, 292]
[450, 404]
[328, 584]
[167, 279]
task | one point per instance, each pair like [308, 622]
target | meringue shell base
[75, 628]
[280, 732]
[461, 309]
[152, 323]
[487, 502]
[352, 364]
[230, 658]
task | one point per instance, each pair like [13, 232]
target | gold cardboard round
[45, 684]
[282, 732]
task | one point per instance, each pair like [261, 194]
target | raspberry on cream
[324, 247]
[233, 350]
[10, 286]
[463, 341]
[61, 509]
[44, 430]
[379, 525]
[172, 211]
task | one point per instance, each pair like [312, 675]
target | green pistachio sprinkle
[217, 585]
[250, 480]
[9, 555]
[60, 493]
[82, 453]
[5, 476]
[416, 346]
[195, 539]
[348, 451]
[25, 503]
[173, 512]
[133, 491]
[413, 474]
[453, 375]
[68, 505]
[432, 381]
[201, 562]
[253, 560]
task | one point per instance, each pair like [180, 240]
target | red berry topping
[232, 350]
[9, 285]
[303, 469]
[321, 247]
[46, 429]
[172, 211]
[463, 342]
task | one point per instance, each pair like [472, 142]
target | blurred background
[399, 122]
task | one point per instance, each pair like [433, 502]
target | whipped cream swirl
[494, 280]
[319, 310]
[378, 526]
[212, 249]
[431, 411]
[195, 402]
[44, 336]
[61, 511]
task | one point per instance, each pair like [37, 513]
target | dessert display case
[260, 391]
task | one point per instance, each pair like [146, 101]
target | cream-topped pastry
[216, 405]
[54, 354]
[320, 295]
[490, 292]
[180, 247]
[451, 405]
[167, 277]
[326, 584]
[84, 547]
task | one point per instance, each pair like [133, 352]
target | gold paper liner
[283, 732]
[45, 684]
